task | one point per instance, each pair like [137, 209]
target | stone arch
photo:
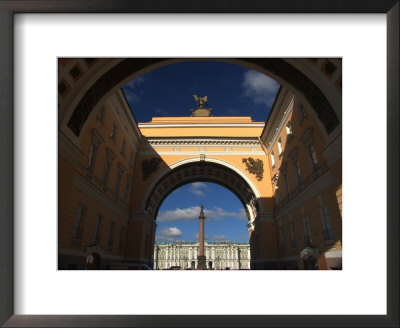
[289, 72]
[211, 170]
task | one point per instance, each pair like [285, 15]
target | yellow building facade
[114, 174]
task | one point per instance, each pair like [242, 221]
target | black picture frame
[7, 10]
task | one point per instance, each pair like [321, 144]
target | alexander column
[201, 259]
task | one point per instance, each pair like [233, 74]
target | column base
[201, 262]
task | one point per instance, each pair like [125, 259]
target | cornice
[127, 112]
[200, 125]
[253, 142]
[278, 130]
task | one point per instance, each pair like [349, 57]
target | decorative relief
[254, 166]
[149, 166]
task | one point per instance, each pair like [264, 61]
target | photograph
[199, 163]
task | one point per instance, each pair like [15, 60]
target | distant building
[219, 255]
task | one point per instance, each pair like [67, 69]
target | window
[91, 158]
[328, 233]
[94, 146]
[128, 188]
[77, 232]
[96, 237]
[313, 157]
[107, 167]
[292, 232]
[280, 146]
[273, 159]
[275, 182]
[286, 184]
[100, 115]
[297, 171]
[131, 161]
[307, 231]
[277, 196]
[113, 135]
[302, 113]
[123, 147]
[111, 236]
[118, 182]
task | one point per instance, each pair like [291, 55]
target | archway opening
[226, 236]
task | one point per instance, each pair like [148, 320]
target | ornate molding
[204, 142]
[149, 166]
[254, 166]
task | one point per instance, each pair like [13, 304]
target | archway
[211, 170]
[206, 170]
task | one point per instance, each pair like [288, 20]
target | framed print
[39, 39]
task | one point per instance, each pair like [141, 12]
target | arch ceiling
[280, 68]
[200, 171]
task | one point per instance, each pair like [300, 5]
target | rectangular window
[100, 115]
[111, 236]
[286, 184]
[128, 188]
[118, 184]
[277, 196]
[113, 135]
[106, 174]
[91, 158]
[96, 237]
[327, 225]
[131, 161]
[302, 113]
[307, 231]
[123, 147]
[313, 157]
[77, 232]
[297, 172]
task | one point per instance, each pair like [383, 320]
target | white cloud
[260, 88]
[192, 213]
[171, 231]
[198, 188]
[131, 90]
[218, 213]
[168, 234]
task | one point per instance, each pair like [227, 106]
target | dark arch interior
[194, 179]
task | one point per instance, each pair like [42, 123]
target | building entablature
[232, 142]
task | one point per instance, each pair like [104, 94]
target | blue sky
[232, 90]
[178, 217]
